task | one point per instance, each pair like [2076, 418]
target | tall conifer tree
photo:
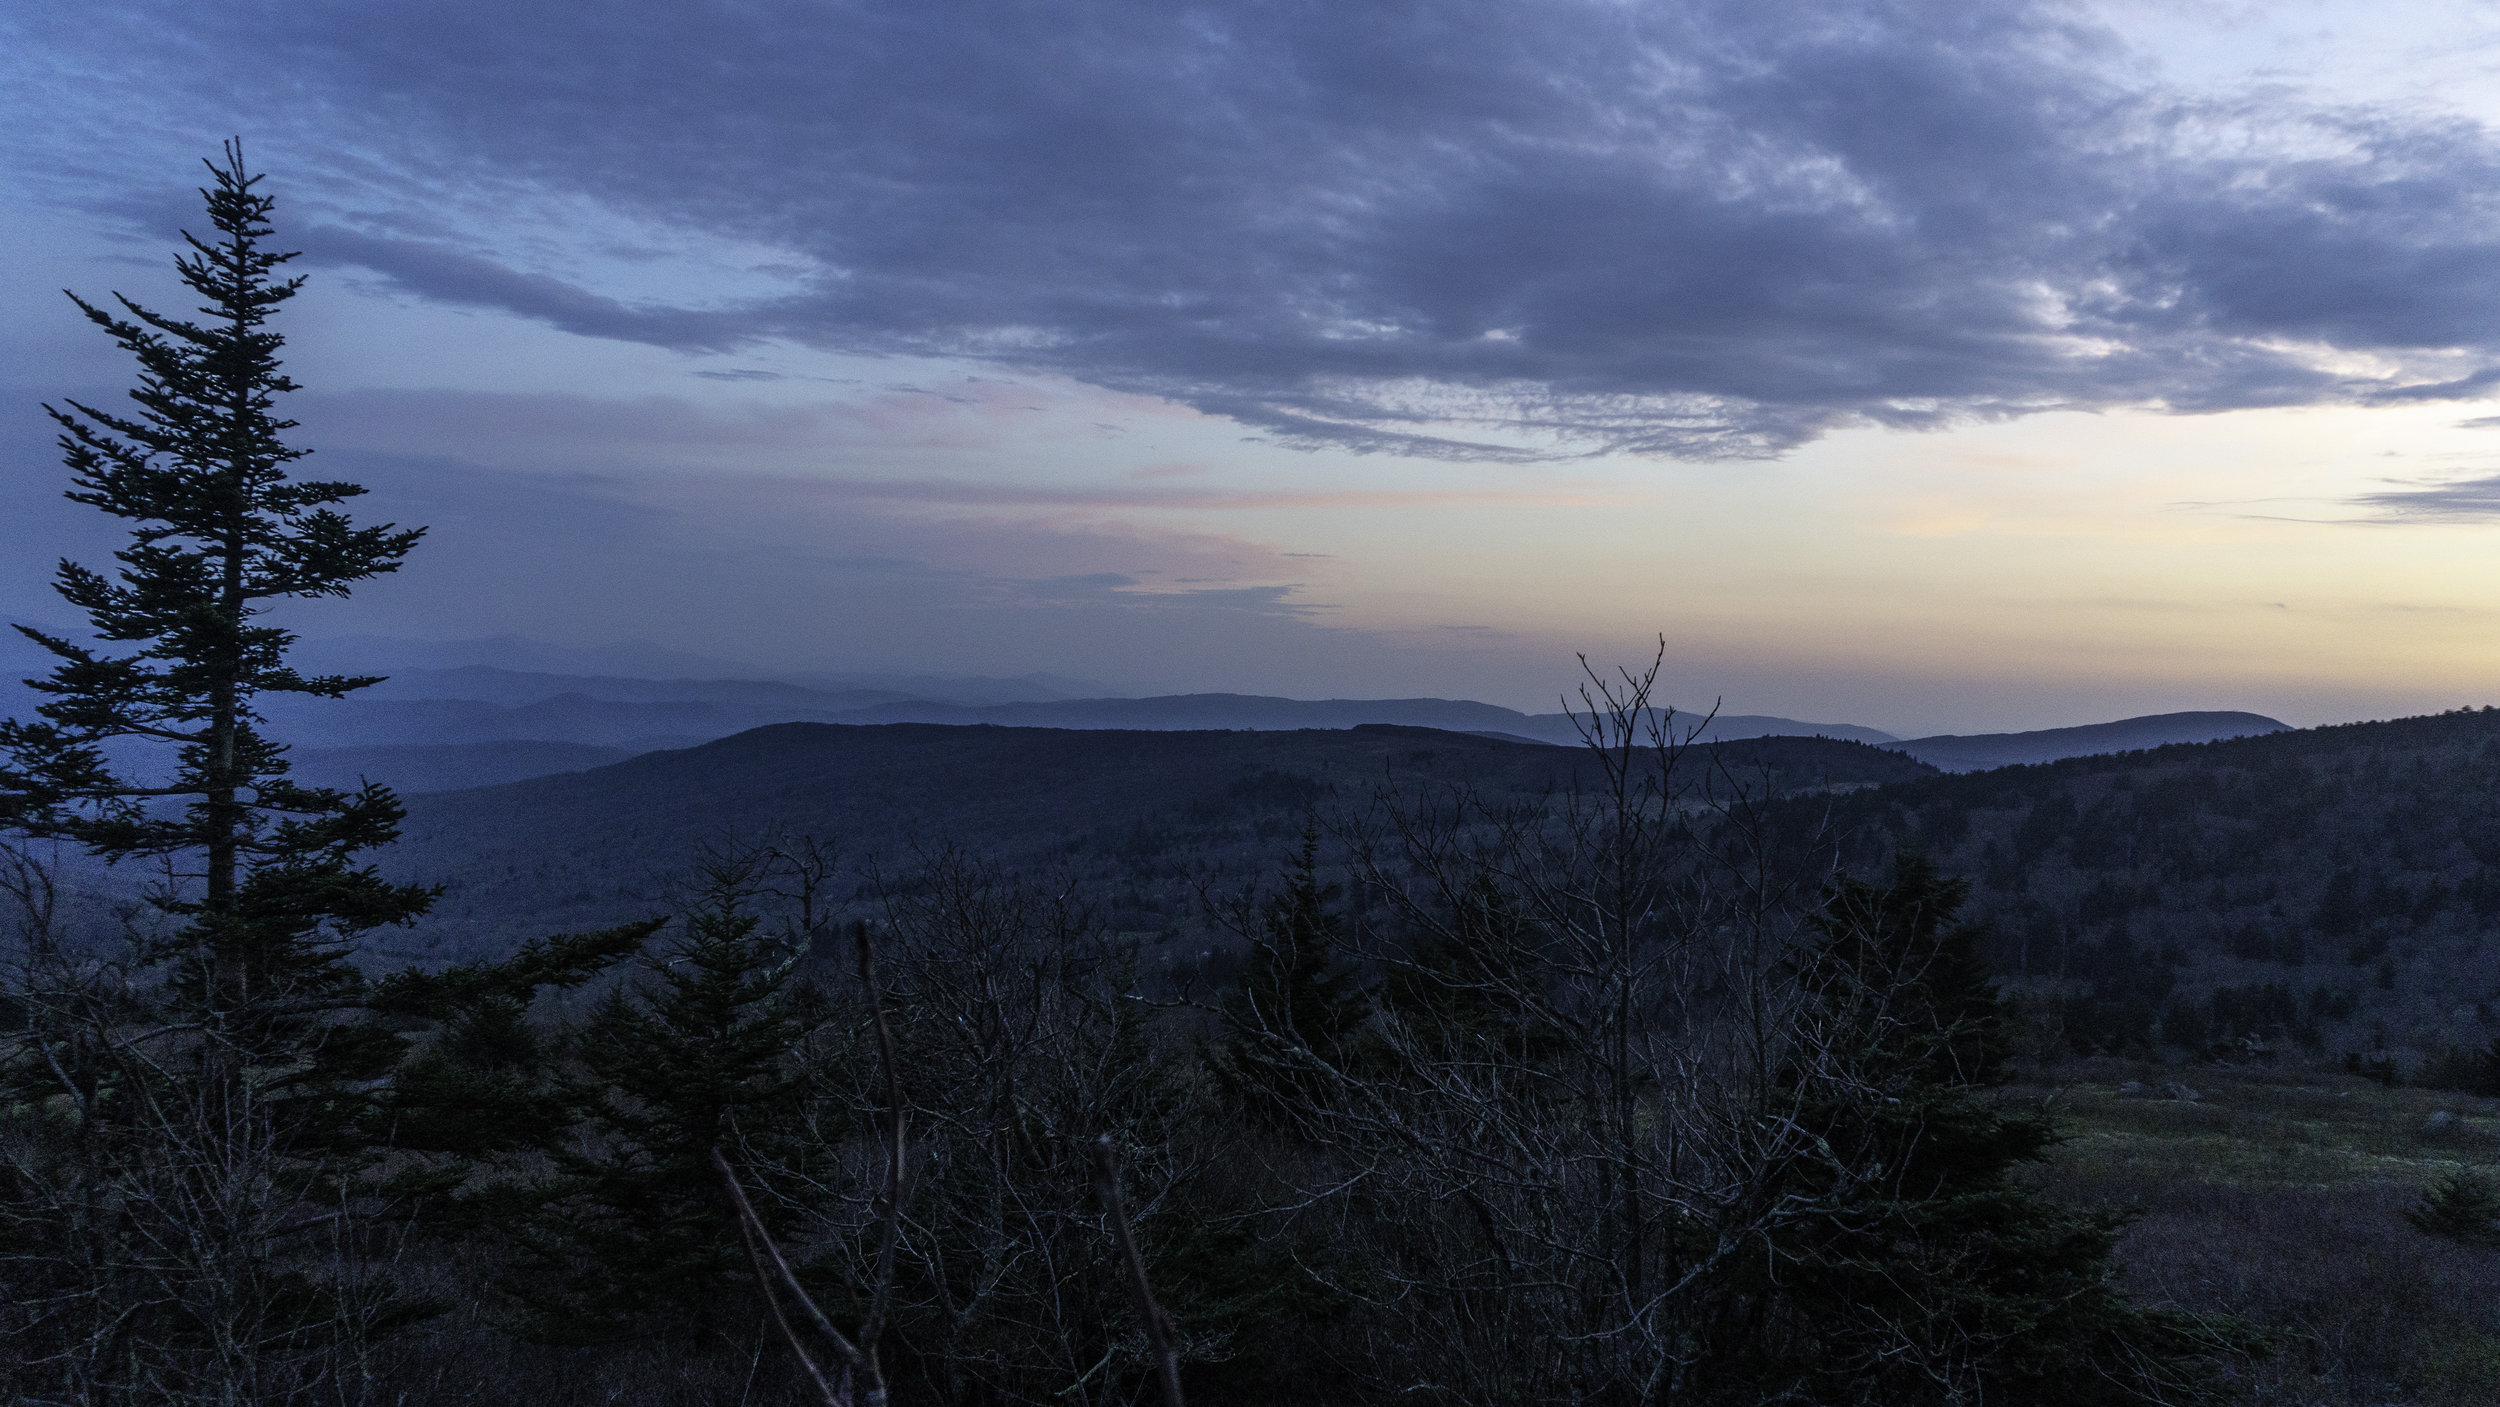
[271, 888]
[1298, 999]
[181, 1118]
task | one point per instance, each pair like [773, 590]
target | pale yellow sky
[2132, 560]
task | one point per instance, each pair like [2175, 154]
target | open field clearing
[2279, 1197]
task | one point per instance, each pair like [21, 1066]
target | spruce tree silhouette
[1902, 1263]
[634, 1237]
[222, 1079]
[1299, 1005]
[268, 881]
[196, 1114]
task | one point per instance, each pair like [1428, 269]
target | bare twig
[858, 1355]
[1158, 1324]
[756, 1244]
[882, 1295]
[752, 1227]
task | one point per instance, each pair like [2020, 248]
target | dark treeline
[1617, 1092]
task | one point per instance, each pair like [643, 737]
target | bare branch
[752, 1226]
[1158, 1324]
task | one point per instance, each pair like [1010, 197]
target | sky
[1938, 367]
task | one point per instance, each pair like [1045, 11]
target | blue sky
[1938, 367]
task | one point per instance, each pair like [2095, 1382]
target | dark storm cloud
[1474, 228]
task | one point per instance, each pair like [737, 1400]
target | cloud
[2452, 501]
[961, 493]
[812, 452]
[470, 281]
[766, 569]
[1116, 589]
[1487, 229]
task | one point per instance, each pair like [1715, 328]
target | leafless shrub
[1016, 1046]
[158, 1236]
[2368, 1309]
[1553, 1125]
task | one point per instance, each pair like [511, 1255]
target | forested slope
[2305, 893]
[2332, 888]
[1140, 818]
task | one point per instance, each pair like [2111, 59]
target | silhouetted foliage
[212, 1136]
[633, 1236]
[2471, 1071]
[202, 1097]
[219, 530]
[2461, 1206]
[1908, 1266]
[1299, 1006]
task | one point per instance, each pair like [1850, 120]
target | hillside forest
[916, 1062]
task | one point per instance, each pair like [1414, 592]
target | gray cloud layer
[1471, 228]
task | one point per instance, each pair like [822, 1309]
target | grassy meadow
[2278, 1196]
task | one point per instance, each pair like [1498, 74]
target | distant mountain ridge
[1260, 712]
[417, 768]
[495, 709]
[1150, 815]
[467, 694]
[510, 688]
[1980, 751]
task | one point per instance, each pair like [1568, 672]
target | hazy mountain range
[420, 743]
[1980, 751]
[483, 712]
[2310, 882]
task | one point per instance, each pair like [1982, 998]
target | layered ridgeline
[438, 727]
[1143, 821]
[443, 708]
[2331, 890]
[2313, 892]
[1979, 752]
[444, 718]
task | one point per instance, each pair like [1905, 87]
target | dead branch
[1158, 1324]
[761, 1248]
[858, 1355]
[882, 1295]
[756, 1244]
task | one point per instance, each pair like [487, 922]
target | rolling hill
[1141, 817]
[1978, 752]
[2335, 888]
[409, 768]
[2320, 891]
